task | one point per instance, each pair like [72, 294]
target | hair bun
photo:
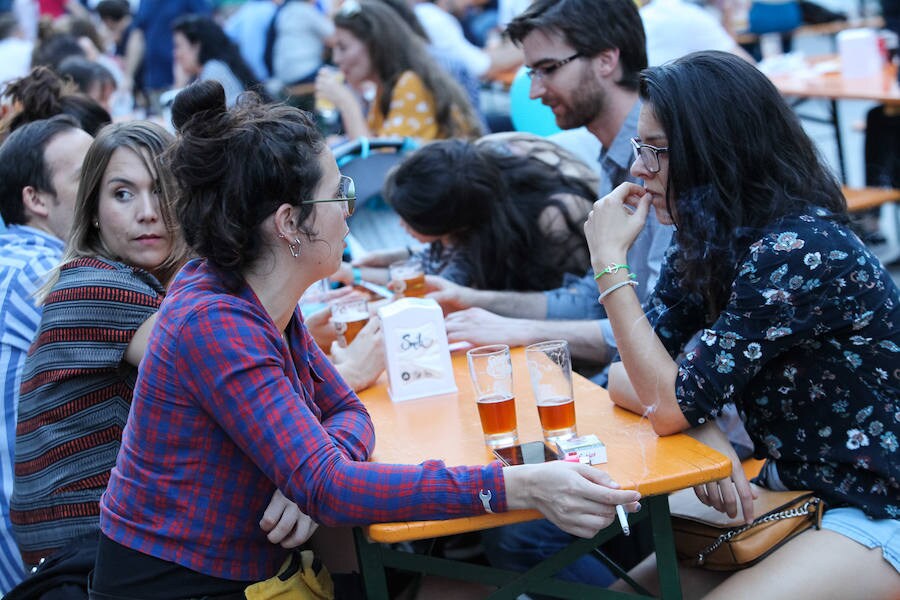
[206, 97]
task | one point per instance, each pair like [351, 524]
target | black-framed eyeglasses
[546, 71]
[347, 191]
[648, 154]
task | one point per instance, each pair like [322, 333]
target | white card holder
[416, 349]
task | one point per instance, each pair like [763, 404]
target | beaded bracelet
[610, 269]
[613, 288]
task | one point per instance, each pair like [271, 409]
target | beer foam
[350, 315]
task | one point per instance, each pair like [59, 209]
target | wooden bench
[869, 197]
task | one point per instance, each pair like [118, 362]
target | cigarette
[623, 519]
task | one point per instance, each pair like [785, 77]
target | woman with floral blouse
[800, 323]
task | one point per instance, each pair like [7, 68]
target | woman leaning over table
[800, 322]
[414, 96]
[246, 396]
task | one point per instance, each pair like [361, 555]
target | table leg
[371, 566]
[664, 542]
[838, 139]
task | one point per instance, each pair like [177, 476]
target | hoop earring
[295, 248]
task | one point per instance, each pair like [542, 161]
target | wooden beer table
[447, 427]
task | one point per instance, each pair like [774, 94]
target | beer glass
[408, 278]
[349, 317]
[550, 371]
[325, 107]
[491, 371]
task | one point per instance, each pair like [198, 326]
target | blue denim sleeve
[576, 299]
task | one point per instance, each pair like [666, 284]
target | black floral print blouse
[808, 347]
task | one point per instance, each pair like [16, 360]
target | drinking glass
[491, 371]
[349, 317]
[550, 371]
[408, 278]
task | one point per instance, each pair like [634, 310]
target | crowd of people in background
[170, 193]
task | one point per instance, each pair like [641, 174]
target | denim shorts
[871, 533]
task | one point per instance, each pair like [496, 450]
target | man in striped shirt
[40, 165]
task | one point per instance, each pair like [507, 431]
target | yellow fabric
[411, 114]
[305, 583]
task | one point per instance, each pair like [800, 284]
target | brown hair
[149, 141]
[394, 49]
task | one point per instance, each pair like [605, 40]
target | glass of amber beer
[491, 371]
[550, 370]
[408, 278]
[349, 317]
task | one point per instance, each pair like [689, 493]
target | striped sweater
[74, 400]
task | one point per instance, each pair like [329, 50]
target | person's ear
[35, 203]
[285, 222]
[606, 62]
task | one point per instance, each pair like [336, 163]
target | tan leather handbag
[707, 538]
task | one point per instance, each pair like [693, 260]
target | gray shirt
[577, 299]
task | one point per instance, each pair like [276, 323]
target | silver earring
[295, 248]
[97, 224]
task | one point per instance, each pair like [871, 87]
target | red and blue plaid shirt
[224, 411]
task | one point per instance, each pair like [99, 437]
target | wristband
[485, 497]
[610, 269]
[357, 276]
[613, 288]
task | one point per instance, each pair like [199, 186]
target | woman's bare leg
[816, 564]
[695, 583]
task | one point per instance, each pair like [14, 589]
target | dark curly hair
[235, 167]
[734, 166]
[42, 94]
[490, 202]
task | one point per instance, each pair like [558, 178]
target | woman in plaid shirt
[234, 399]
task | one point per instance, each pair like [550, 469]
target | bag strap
[812, 506]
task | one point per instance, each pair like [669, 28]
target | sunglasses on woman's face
[347, 191]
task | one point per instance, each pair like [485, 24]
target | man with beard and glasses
[584, 57]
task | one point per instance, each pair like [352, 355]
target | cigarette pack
[586, 446]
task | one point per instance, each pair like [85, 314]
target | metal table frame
[375, 557]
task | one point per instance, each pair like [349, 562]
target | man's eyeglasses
[542, 73]
[347, 191]
[648, 154]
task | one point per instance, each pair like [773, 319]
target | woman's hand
[451, 296]
[363, 360]
[614, 224]
[724, 494]
[330, 86]
[285, 524]
[579, 499]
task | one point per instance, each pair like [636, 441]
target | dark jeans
[522, 546]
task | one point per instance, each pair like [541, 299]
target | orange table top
[447, 427]
[831, 85]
